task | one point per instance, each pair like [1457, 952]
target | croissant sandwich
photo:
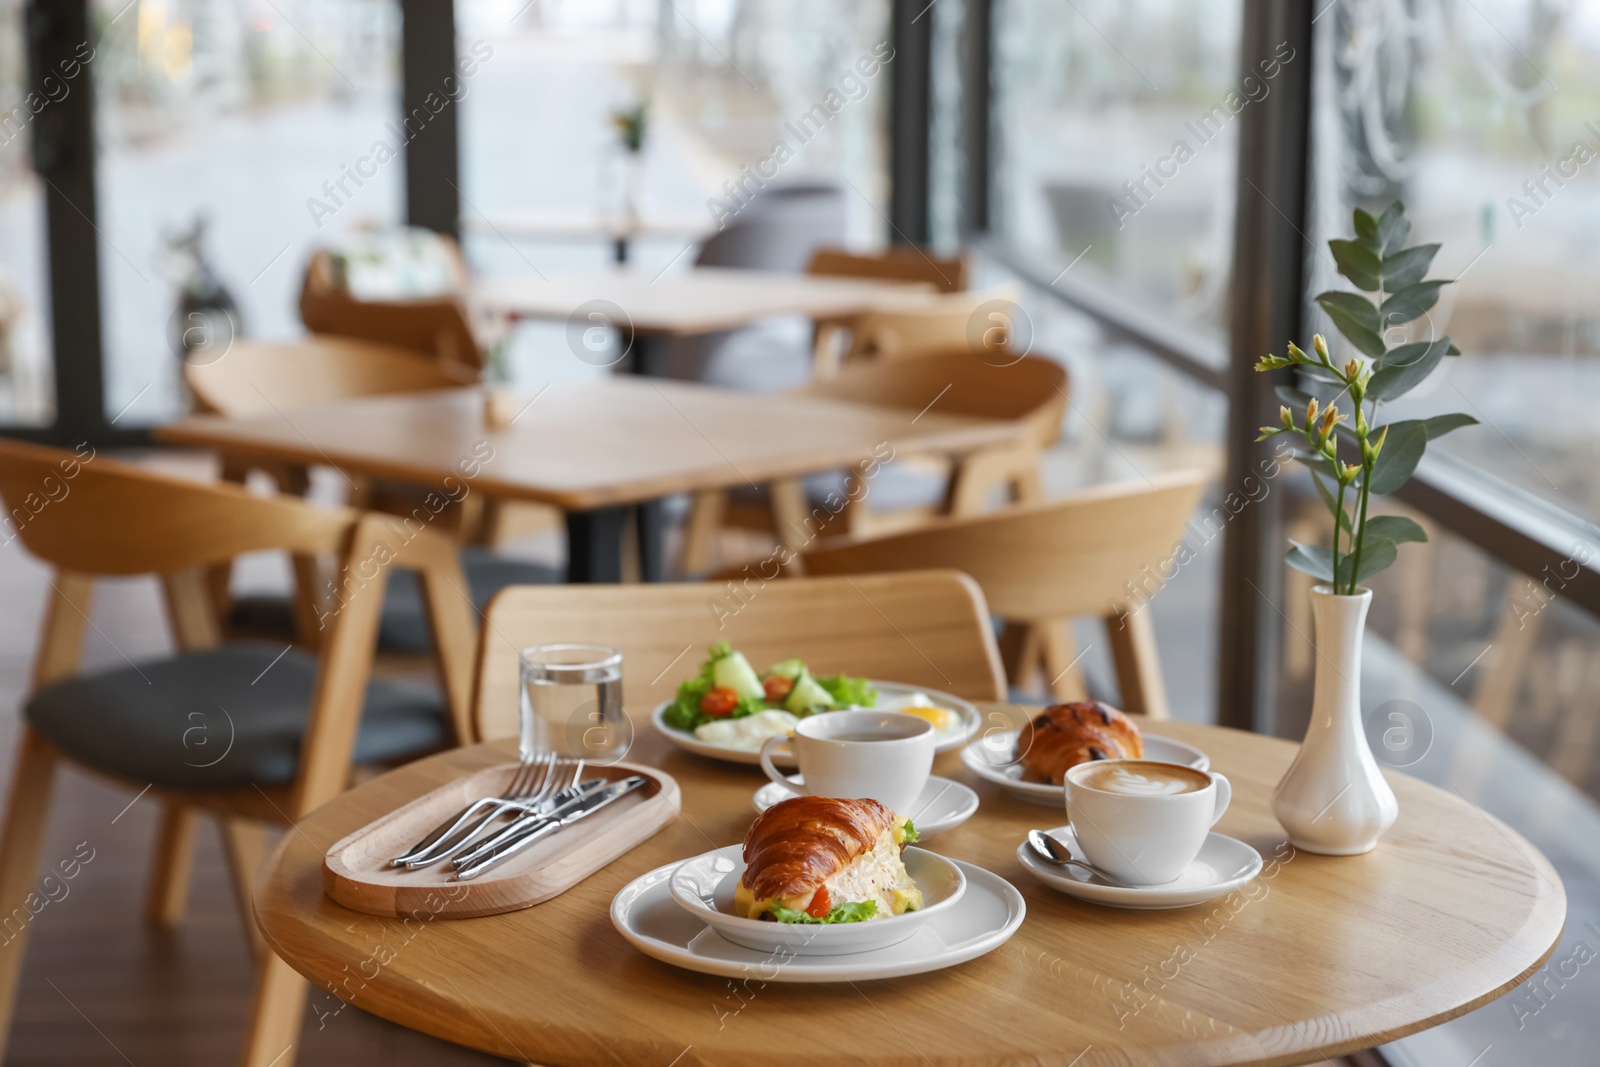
[1063, 736]
[822, 860]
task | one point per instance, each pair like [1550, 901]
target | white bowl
[703, 886]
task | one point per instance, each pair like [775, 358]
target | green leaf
[1315, 560]
[1440, 425]
[1396, 528]
[1402, 450]
[851, 912]
[1375, 556]
[1366, 226]
[1408, 303]
[1343, 521]
[1358, 263]
[1406, 268]
[1356, 318]
[1393, 229]
[1403, 368]
[1452, 351]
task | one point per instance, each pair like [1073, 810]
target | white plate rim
[828, 969]
[969, 797]
[1154, 897]
[690, 743]
[837, 933]
[1043, 791]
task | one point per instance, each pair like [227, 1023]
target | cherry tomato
[777, 687]
[720, 701]
[820, 904]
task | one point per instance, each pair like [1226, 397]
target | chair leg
[275, 1014]
[700, 532]
[1061, 674]
[169, 874]
[244, 843]
[1133, 653]
[19, 860]
[1019, 653]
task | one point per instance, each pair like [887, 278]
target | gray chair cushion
[403, 626]
[220, 718]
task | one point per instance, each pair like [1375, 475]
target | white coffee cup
[1143, 821]
[882, 755]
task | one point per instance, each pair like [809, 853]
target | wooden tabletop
[1318, 957]
[582, 445]
[689, 302]
[563, 224]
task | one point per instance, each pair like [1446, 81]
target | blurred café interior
[599, 291]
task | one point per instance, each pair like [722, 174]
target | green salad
[728, 687]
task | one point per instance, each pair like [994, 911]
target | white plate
[942, 805]
[703, 886]
[986, 916]
[953, 736]
[1223, 865]
[992, 759]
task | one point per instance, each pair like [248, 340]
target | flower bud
[1353, 368]
[1311, 414]
[1286, 416]
[1320, 345]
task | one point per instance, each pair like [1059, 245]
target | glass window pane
[27, 390]
[246, 118]
[1482, 118]
[1117, 129]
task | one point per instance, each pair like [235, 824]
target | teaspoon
[1053, 851]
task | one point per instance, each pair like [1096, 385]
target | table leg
[619, 250]
[594, 545]
[652, 541]
[644, 353]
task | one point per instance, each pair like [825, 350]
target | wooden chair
[929, 628]
[268, 377]
[897, 263]
[441, 325]
[1032, 390]
[296, 722]
[942, 324]
[1104, 553]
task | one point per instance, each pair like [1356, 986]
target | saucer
[1223, 865]
[703, 886]
[985, 917]
[992, 758]
[942, 805]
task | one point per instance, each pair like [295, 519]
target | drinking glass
[572, 703]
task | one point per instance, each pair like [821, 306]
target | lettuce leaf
[848, 691]
[910, 837]
[853, 912]
[685, 713]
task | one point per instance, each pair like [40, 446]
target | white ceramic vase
[1334, 799]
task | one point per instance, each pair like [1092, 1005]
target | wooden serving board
[356, 871]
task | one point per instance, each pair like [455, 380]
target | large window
[243, 119]
[26, 381]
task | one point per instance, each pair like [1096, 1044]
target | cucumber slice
[807, 695]
[734, 672]
[789, 668]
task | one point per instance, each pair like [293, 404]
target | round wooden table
[1318, 957]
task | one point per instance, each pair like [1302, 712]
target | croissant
[1063, 736]
[813, 856]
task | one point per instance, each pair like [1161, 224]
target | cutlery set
[545, 796]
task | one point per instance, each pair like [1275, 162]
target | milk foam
[1141, 781]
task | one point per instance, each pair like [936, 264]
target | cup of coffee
[883, 755]
[1141, 821]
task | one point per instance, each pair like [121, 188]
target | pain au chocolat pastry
[1066, 735]
[823, 860]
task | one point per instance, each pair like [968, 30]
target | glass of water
[572, 703]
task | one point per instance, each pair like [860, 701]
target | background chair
[901, 264]
[1100, 553]
[274, 378]
[440, 324]
[929, 629]
[910, 490]
[898, 263]
[289, 725]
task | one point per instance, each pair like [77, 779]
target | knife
[510, 842]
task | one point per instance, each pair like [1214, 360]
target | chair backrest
[946, 322]
[896, 263]
[957, 382]
[778, 229]
[261, 377]
[439, 325]
[89, 515]
[928, 629]
[1090, 555]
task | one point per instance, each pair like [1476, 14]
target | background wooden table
[1318, 957]
[590, 448]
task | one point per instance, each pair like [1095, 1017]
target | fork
[533, 774]
[562, 777]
